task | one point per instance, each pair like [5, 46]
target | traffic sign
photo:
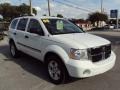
[114, 13]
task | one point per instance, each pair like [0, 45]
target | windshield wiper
[74, 32]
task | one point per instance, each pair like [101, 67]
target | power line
[70, 5]
[71, 2]
[101, 3]
[78, 6]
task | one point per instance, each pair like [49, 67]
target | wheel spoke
[55, 65]
[57, 74]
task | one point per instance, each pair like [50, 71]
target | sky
[79, 8]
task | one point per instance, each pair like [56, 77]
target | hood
[82, 39]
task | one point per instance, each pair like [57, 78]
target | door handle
[15, 33]
[26, 36]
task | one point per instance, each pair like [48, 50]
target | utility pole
[30, 2]
[101, 6]
[49, 8]
[117, 19]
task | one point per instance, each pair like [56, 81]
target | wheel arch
[11, 40]
[51, 53]
[57, 50]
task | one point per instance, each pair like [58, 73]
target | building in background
[84, 24]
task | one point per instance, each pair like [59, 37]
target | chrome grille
[99, 53]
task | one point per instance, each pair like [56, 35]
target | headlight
[78, 54]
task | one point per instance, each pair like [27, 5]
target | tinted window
[22, 24]
[35, 25]
[13, 24]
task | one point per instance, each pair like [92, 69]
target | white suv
[62, 46]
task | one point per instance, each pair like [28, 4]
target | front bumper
[86, 68]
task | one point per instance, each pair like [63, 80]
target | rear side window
[22, 24]
[13, 24]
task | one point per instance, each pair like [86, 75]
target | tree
[9, 12]
[96, 17]
[25, 9]
[60, 15]
[5, 10]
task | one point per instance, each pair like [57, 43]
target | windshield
[60, 26]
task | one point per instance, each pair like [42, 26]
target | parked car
[111, 26]
[62, 46]
[106, 27]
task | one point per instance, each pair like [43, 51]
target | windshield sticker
[46, 21]
[59, 25]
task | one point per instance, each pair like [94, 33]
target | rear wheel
[56, 70]
[13, 50]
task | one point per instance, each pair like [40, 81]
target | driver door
[33, 38]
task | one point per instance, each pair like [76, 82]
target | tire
[56, 70]
[13, 50]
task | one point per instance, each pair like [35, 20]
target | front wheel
[56, 70]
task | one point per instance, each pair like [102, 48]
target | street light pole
[49, 8]
[30, 7]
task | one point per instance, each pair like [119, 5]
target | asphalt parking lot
[26, 73]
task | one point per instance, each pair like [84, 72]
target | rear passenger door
[20, 33]
[12, 29]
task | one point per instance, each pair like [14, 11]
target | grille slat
[99, 53]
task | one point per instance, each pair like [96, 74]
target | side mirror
[36, 31]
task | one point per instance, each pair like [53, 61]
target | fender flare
[57, 50]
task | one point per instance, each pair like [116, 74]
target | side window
[35, 27]
[13, 24]
[22, 24]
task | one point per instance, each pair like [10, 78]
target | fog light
[87, 71]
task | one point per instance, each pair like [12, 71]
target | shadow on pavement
[26, 62]
[29, 64]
